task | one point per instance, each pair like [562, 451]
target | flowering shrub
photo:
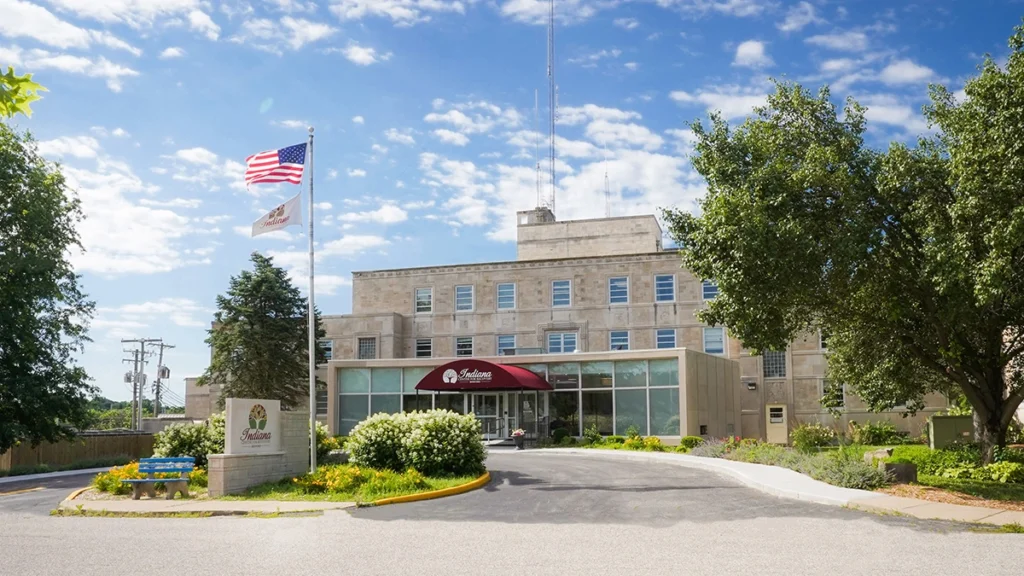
[807, 437]
[195, 440]
[441, 442]
[110, 481]
[377, 441]
[198, 478]
[325, 442]
[691, 442]
[367, 482]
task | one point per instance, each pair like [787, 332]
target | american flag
[284, 165]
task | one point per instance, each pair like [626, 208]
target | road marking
[13, 492]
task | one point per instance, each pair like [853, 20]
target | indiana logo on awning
[287, 214]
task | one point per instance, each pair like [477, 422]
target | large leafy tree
[911, 258]
[43, 312]
[260, 338]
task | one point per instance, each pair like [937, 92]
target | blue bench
[153, 466]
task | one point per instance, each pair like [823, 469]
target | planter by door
[519, 441]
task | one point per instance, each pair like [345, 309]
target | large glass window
[353, 409]
[665, 338]
[463, 298]
[664, 411]
[709, 290]
[597, 409]
[386, 380]
[561, 293]
[618, 340]
[464, 346]
[630, 410]
[665, 373]
[631, 374]
[506, 296]
[355, 380]
[565, 411]
[618, 290]
[424, 348]
[665, 288]
[412, 376]
[564, 376]
[714, 340]
[387, 403]
[506, 342]
[453, 402]
[561, 342]
[774, 364]
[413, 402]
[596, 374]
[424, 300]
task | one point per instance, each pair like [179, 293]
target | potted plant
[519, 436]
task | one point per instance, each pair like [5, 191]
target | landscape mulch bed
[947, 497]
[94, 494]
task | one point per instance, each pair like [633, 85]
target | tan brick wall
[538, 239]
[234, 473]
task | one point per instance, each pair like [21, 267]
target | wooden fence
[82, 449]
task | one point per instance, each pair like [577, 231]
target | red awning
[480, 375]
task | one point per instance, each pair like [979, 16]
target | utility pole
[140, 376]
[134, 379]
[161, 372]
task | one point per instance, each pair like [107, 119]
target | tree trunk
[989, 433]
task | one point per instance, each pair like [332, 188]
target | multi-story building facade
[583, 286]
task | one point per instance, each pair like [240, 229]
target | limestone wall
[234, 473]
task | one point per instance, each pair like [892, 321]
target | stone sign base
[235, 473]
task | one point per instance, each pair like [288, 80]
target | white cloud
[379, 149]
[80, 65]
[204, 168]
[617, 135]
[845, 41]
[399, 184]
[362, 55]
[134, 13]
[527, 141]
[631, 66]
[751, 54]
[291, 124]
[356, 173]
[201, 22]
[799, 16]
[196, 155]
[570, 115]
[732, 101]
[591, 60]
[449, 137]
[172, 203]
[323, 205]
[400, 136]
[27, 20]
[683, 140]
[475, 117]
[283, 234]
[891, 111]
[418, 205]
[626, 23]
[491, 155]
[76, 146]
[401, 12]
[332, 174]
[358, 120]
[566, 11]
[292, 5]
[906, 72]
[302, 31]
[287, 34]
[386, 214]
[127, 320]
[171, 52]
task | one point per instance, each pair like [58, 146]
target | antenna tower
[607, 188]
[536, 140]
[552, 100]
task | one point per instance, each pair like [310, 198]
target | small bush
[198, 478]
[377, 441]
[934, 462]
[633, 443]
[591, 435]
[632, 431]
[110, 481]
[1004, 472]
[441, 443]
[615, 440]
[875, 433]
[653, 444]
[846, 472]
[691, 442]
[559, 434]
[713, 448]
[371, 484]
[324, 442]
[180, 440]
[217, 424]
[1009, 455]
[567, 441]
[807, 437]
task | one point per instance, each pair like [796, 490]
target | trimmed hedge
[434, 442]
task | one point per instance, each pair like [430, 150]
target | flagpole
[312, 322]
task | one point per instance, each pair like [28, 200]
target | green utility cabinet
[943, 430]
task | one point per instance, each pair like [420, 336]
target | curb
[77, 493]
[73, 512]
[49, 475]
[469, 486]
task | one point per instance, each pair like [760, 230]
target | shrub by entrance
[434, 442]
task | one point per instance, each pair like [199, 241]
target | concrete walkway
[786, 483]
[158, 506]
[48, 475]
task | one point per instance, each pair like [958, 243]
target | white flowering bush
[435, 442]
[442, 442]
[377, 441]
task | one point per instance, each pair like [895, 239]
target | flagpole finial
[311, 130]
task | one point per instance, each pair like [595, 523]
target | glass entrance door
[485, 408]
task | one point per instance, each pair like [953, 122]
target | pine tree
[260, 340]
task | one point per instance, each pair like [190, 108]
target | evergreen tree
[260, 339]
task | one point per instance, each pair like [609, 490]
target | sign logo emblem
[257, 417]
[449, 376]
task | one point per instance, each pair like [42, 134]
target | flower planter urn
[519, 440]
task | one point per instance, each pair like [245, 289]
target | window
[833, 393]
[424, 348]
[506, 342]
[618, 340]
[618, 290]
[328, 347]
[561, 293]
[822, 339]
[321, 401]
[714, 341]
[709, 290]
[463, 298]
[464, 346]
[561, 342]
[665, 338]
[506, 296]
[774, 364]
[665, 288]
[367, 348]
[424, 300]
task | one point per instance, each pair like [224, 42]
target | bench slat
[152, 480]
[174, 459]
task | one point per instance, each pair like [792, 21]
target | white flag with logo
[287, 214]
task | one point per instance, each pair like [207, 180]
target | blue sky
[424, 116]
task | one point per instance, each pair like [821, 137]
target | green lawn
[288, 490]
[978, 488]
